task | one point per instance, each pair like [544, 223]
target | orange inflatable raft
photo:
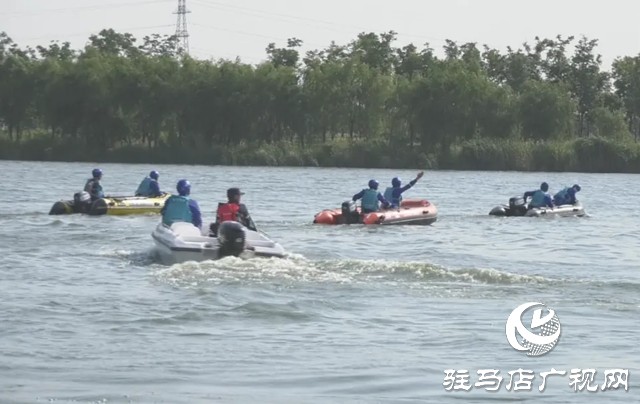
[413, 211]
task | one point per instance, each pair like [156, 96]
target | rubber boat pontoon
[115, 205]
[518, 207]
[412, 212]
[182, 242]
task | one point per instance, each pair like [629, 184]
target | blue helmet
[576, 187]
[154, 174]
[183, 187]
[396, 182]
[544, 187]
[373, 184]
[97, 173]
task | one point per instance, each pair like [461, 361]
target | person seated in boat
[93, 187]
[149, 186]
[566, 196]
[393, 194]
[539, 198]
[371, 198]
[232, 210]
[181, 208]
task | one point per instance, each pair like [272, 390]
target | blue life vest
[177, 210]
[144, 189]
[96, 189]
[562, 195]
[370, 200]
[538, 199]
[388, 195]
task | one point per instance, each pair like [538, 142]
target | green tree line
[364, 104]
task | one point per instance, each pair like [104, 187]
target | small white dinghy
[562, 210]
[518, 207]
[182, 242]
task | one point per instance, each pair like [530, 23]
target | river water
[354, 314]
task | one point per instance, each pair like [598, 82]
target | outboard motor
[500, 210]
[231, 237]
[350, 212]
[82, 202]
[517, 206]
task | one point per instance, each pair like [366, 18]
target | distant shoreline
[592, 155]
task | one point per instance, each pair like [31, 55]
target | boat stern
[325, 217]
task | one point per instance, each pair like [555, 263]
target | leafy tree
[118, 92]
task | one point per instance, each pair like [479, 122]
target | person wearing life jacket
[93, 187]
[149, 185]
[371, 198]
[393, 194]
[539, 198]
[567, 196]
[232, 210]
[181, 208]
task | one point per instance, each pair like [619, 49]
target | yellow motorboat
[113, 205]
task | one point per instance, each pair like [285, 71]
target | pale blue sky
[226, 28]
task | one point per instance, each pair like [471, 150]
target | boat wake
[296, 271]
[295, 268]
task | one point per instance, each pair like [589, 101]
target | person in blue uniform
[149, 185]
[371, 198]
[93, 187]
[181, 208]
[539, 198]
[567, 196]
[393, 194]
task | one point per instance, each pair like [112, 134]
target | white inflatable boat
[562, 210]
[182, 242]
[518, 207]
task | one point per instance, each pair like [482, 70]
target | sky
[244, 28]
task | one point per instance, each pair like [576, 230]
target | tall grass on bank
[596, 155]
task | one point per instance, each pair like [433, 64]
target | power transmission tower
[181, 26]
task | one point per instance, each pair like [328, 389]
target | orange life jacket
[228, 212]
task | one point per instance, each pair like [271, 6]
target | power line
[253, 34]
[238, 32]
[92, 33]
[264, 14]
[86, 8]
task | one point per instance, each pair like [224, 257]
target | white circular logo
[536, 344]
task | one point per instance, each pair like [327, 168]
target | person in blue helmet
[149, 185]
[539, 198]
[93, 187]
[394, 193]
[371, 198]
[567, 196]
[181, 208]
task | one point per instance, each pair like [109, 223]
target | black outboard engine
[517, 206]
[350, 212]
[81, 202]
[231, 237]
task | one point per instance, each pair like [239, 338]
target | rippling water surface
[353, 315]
